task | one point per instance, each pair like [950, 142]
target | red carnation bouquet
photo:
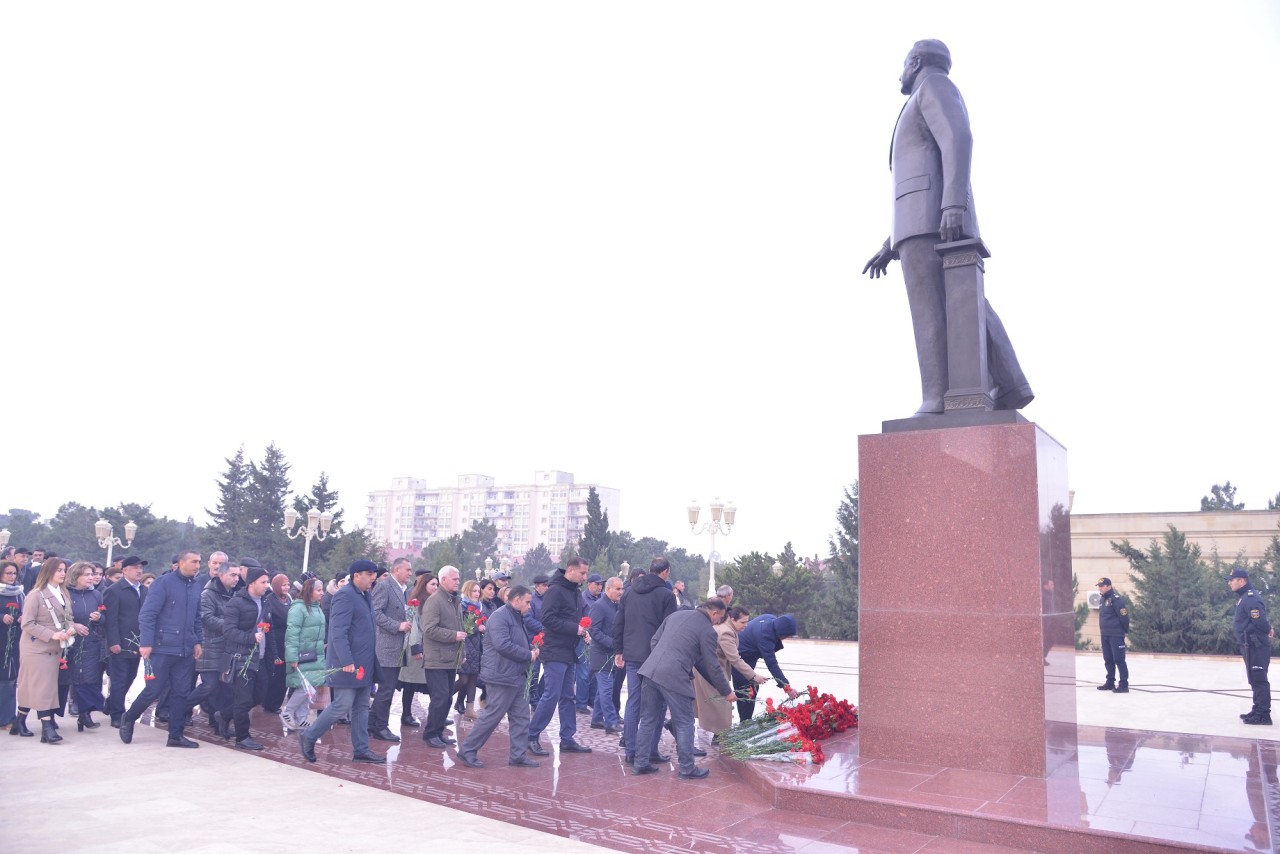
[537, 642]
[790, 731]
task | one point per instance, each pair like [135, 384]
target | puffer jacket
[561, 614]
[647, 602]
[305, 633]
[170, 616]
[213, 601]
[240, 621]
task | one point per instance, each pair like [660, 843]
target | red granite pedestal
[966, 614]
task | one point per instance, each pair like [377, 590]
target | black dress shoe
[410, 722]
[612, 730]
[436, 741]
[183, 741]
[597, 725]
[161, 720]
[573, 747]
[470, 761]
[308, 746]
[644, 769]
[523, 762]
[249, 744]
[126, 731]
[1258, 720]
[115, 722]
[695, 774]
[669, 727]
[385, 734]
[371, 758]
[698, 751]
[537, 749]
[659, 757]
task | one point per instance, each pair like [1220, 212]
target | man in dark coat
[212, 694]
[246, 625]
[586, 685]
[504, 668]
[603, 613]
[390, 597]
[121, 630]
[1113, 624]
[1253, 633]
[170, 631]
[562, 627]
[762, 638]
[685, 640]
[645, 604]
[533, 625]
[352, 651]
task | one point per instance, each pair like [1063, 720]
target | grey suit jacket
[930, 160]
[388, 614]
[685, 640]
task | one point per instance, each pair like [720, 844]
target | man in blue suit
[353, 652]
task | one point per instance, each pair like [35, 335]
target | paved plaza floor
[1169, 763]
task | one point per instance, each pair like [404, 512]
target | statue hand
[879, 263]
[952, 224]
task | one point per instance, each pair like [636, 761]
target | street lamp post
[315, 519]
[721, 522]
[4, 538]
[102, 528]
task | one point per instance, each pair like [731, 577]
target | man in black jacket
[562, 627]
[247, 651]
[123, 601]
[1253, 633]
[214, 695]
[647, 602]
[1113, 625]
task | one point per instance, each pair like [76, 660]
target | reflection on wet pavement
[1127, 785]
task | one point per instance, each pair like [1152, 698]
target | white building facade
[551, 510]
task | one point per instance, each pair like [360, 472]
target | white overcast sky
[622, 240]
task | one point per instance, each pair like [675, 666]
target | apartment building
[551, 509]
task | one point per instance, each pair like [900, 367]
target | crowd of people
[222, 638]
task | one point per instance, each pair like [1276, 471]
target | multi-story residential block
[551, 510]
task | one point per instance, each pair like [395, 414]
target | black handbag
[307, 657]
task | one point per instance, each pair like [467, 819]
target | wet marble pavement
[1131, 790]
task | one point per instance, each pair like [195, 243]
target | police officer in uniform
[1254, 634]
[1113, 622]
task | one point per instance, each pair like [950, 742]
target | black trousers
[440, 689]
[212, 694]
[122, 669]
[380, 712]
[247, 692]
[1257, 660]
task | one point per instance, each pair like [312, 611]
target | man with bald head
[930, 160]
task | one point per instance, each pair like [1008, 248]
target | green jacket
[305, 633]
[441, 621]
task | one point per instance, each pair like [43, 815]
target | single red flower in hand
[538, 639]
[278, 662]
[150, 677]
[62, 664]
[584, 623]
[413, 603]
[360, 673]
[12, 606]
[102, 607]
[264, 627]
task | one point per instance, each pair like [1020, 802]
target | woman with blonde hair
[85, 660]
[47, 633]
[469, 670]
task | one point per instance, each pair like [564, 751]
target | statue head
[927, 52]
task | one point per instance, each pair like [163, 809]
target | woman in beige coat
[714, 714]
[46, 629]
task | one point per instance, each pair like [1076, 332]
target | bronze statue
[930, 160]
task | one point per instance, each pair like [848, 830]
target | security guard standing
[1254, 634]
[1113, 624]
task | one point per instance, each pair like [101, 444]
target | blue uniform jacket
[762, 638]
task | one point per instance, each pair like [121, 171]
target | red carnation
[413, 603]
[102, 607]
[264, 627]
[360, 673]
[584, 623]
[278, 662]
[12, 606]
[537, 639]
[62, 664]
[150, 677]
[480, 621]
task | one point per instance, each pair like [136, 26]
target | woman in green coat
[304, 654]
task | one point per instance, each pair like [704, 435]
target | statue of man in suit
[933, 202]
